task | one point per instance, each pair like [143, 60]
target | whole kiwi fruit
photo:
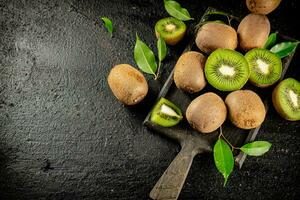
[253, 31]
[245, 109]
[188, 73]
[127, 84]
[262, 6]
[212, 36]
[206, 113]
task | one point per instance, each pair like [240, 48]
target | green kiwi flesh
[286, 99]
[165, 113]
[265, 67]
[170, 29]
[226, 70]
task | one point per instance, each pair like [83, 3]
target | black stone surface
[63, 135]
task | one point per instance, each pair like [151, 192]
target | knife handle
[170, 183]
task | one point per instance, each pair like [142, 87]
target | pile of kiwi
[208, 112]
[226, 69]
[229, 70]
[223, 67]
[129, 85]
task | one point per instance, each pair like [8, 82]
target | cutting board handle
[170, 183]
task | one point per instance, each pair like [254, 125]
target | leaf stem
[158, 69]
[223, 136]
[225, 181]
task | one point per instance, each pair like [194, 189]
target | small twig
[229, 20]
[156, 76]
[221, 134]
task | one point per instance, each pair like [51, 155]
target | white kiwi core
[294, 98]
[227, 70]
[263, 66]
[168, 111]
[170, 27]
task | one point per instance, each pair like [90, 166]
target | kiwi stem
[221, 135]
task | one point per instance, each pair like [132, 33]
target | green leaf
[175, 10]
[284, 49]
[270, 41]
[161, 48]
[144, 57]
[108, 25]
[223, 159]
[256, 148]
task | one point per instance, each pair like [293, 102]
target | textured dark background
[64, 136]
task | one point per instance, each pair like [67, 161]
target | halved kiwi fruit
[286, 99]
[265, 67]
[226, 70]
[165, 113]
[170, 29]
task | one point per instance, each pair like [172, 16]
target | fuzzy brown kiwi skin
[212, 36]
[259, 85]
[253, 31]
[263, 7]
[245, 109]
[188, 73]
[127, 84]
[206, 113]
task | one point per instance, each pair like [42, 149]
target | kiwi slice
[265, 67]
[286, 99]
[226, 70]
[170, 29]
[165, 113]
